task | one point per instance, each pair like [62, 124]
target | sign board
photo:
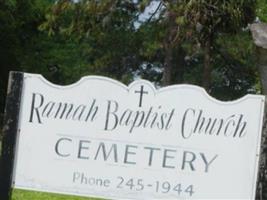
[100, 138]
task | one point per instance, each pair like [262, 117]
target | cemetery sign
[100, 138]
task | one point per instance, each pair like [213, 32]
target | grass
[30, 195]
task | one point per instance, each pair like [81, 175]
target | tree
[8, 47]
[167, 20]
[209, 19]
[24, 47]
[195, 24]
[107, 28]
[19, 21]
[177, 42]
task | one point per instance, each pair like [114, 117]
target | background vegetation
[202, 42]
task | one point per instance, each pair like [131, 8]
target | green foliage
[262, 10]
[196, 22]
[107, 29]
[8, 47]
[18, 21]
[219, 16]
[64, 40]
[235, 72]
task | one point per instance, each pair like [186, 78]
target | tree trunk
[262, 177]
[179, 64]
[169, 44]
[262, 65]
[207, 69]
[168, 66]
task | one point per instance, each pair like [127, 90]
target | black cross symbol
[141, 92]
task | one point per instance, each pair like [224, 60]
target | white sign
[101, 138]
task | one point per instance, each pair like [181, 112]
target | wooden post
[10, 130]
[259, 33]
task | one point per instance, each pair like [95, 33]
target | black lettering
[49, 106]
[147, 117]
[79, 111]
[184, 134]
[167, 156]
[135, 122]
[65, 107]
[128, 152]
[106, 155]
[229, 121]
[207, 163]
[240, 127]
[34, 108]
[151, 153]
[93, 109]
[111, 113]
[168, 125]
[57, 147]
[188, 161]
[82, 147]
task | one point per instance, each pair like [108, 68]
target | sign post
[100, 138]
[10, 130]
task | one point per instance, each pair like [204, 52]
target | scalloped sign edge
[122, 89]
